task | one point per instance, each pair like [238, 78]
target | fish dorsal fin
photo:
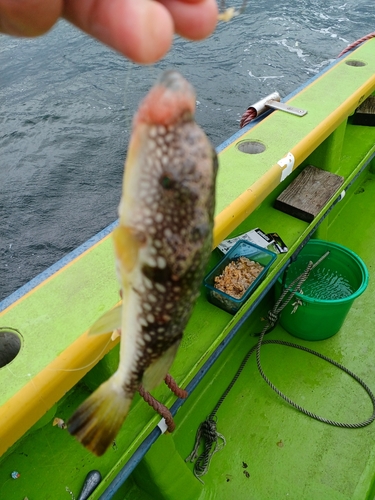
[127, 242]
[156, 372]
[109, 321]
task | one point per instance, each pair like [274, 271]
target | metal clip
[285, 107]
[273, 101]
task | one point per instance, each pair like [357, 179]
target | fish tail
[97, 421]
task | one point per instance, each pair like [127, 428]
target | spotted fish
[162, 245]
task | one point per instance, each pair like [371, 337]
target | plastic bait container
[241, 249]
[328, 293]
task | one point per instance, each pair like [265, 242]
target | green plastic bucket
[328, 294]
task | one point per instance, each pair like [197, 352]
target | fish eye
[166, 182]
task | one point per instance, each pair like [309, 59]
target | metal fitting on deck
[261, 107]
[273, 101]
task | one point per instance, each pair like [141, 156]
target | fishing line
[128, 113]
[88, 365]
[92, 363]
[148, 74]
[127, 104]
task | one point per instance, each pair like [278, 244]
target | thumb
[28, 17]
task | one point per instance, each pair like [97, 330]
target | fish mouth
[171, 100]
[174, 81]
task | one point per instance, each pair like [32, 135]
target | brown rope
[358, 42]
[158, 407]
[172, 384]
[247, 117]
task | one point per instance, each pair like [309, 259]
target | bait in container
[241, 249]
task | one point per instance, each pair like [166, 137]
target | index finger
[142, 30]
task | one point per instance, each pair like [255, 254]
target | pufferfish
[162, 245]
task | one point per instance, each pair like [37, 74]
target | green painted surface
[280, 132]
[288, 455]
[164, 475]
[54, 316]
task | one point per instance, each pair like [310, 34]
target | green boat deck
[287, 454]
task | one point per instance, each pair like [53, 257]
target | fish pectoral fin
[111, 320]
[127, 242]
[156, 372]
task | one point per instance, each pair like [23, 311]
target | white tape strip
[342, 194]
[163, 426]
[287, 164]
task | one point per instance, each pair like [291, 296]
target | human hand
[140, 29]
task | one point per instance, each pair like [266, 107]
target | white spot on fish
[151, 261]
[148, 283]
[159, 217]
[147, 337]
[152, 298]
[150, 318]
[160, 287]
[161, 262]
[153, 132]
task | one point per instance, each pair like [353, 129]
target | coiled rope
[213, 440]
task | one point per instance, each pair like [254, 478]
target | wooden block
[365, 113]
[305, 197]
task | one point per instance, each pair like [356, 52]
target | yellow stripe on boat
[54, 317]
[298, 136]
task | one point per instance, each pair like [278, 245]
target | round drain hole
[10, 345]
[251, 147]
[354, 62]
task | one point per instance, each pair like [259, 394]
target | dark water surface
[66, 104]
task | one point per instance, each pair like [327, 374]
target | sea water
[67, 101]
